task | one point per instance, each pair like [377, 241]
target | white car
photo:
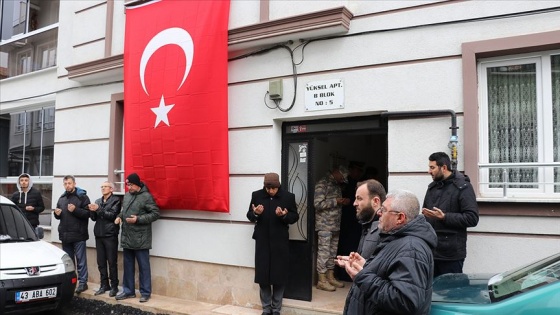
[35, 275]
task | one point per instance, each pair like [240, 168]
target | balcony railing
[29, 52]
[548, 184]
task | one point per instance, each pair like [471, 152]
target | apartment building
[311, 84]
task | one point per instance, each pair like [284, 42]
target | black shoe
[276, 313]
[102, 290]
[124, 296]
[113, 292]
[144, 298]
[81, 288]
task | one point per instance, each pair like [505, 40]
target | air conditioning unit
[20, 43]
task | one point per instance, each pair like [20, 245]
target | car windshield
[461, 288]
[14, 227]
[525, 278]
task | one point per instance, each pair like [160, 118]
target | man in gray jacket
[397, 279]
[370, 195]
[138, 213]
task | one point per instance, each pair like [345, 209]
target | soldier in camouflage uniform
[328, 204]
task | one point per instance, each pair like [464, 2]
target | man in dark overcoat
[272, 209]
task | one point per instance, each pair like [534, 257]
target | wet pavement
[85, 306]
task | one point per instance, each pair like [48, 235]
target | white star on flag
[161, 112]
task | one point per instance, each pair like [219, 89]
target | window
[46, 55]
[43, 119]
[29, 35]
[29, 150]
[24, 62]
[21, 123]
[27, 146]
[26, 16]
[520, 126]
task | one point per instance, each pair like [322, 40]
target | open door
[309, 149]
[301, 240]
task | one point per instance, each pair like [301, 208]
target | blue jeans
[142, 256]
[77, 252]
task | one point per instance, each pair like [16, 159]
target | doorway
[309, 150]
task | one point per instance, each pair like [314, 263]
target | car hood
[29, 254]
[462, 288]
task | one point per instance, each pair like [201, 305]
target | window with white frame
[24, 62]
[28, 36]
[520, 126]
[21, 125]
[46, 55]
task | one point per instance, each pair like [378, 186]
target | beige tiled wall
[190, 280]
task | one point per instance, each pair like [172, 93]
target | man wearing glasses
[138, 212]
[397, 279]
[104, 212]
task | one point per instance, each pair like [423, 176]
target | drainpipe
[452, 145]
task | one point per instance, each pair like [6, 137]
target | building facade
[311, 84]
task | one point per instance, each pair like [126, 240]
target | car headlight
[68, 263]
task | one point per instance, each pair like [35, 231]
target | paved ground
[88, 304]
[85, 306]
[324, 303]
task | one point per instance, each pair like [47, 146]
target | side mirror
[40, 233]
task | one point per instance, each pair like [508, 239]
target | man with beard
[138, 213]
[28, 199]
[350, 227]
[73, 212]
[450, 207]
[397, 278]
[370, 195]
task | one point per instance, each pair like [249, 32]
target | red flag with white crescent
[176, 106]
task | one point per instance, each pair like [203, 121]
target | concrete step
[324, 303]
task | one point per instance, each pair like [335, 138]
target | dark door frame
[302, 256]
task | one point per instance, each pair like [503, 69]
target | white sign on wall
[328, 94]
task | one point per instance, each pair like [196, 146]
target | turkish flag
[176, 106]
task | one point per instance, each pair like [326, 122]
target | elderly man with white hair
[397, 279]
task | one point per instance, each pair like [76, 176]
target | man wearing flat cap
[328, 202]
[138, 213]
[272, 209]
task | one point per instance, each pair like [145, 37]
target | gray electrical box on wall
[275, 89]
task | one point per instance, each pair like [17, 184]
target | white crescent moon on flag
[171, 36]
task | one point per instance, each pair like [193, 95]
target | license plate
[26, 296]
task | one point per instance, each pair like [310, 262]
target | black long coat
[271, 235]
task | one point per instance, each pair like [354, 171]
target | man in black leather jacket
[450, 207]
[104, 212]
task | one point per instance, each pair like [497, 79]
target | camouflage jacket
[327, 212]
